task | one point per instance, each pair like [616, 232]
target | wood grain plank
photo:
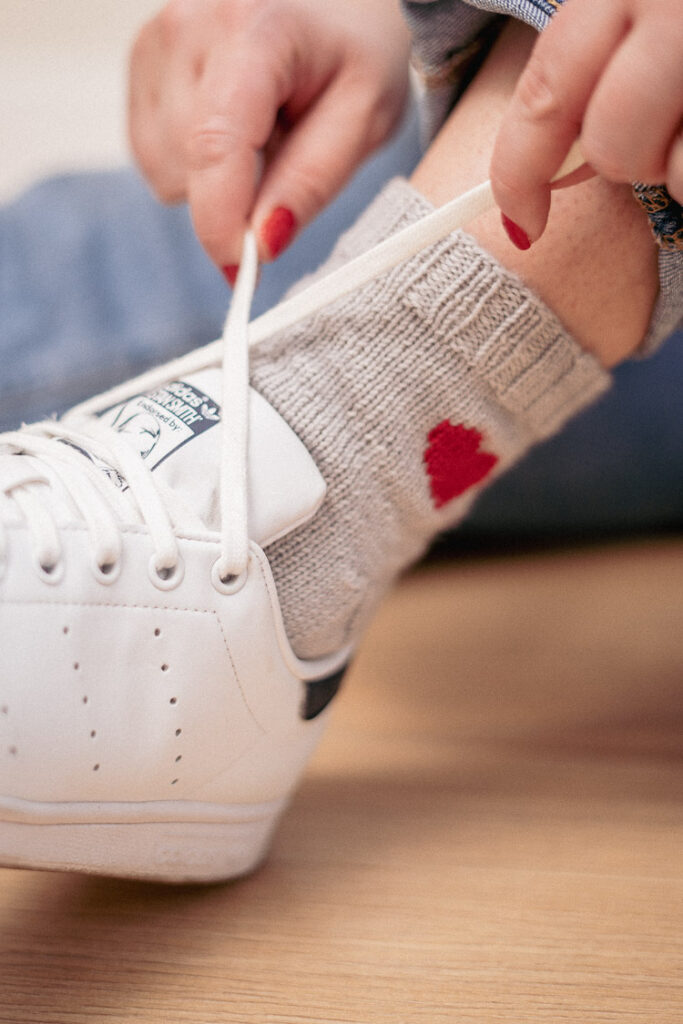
[490, 834]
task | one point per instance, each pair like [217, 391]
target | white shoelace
[160, 509]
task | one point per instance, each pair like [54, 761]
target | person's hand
[258, 111]
[609, 72]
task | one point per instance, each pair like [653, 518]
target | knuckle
[209, 142]
[537, 94]
[510, 191]
[305, 181]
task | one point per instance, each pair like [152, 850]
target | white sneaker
[154, 719]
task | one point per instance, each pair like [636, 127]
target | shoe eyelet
[52, 574]
[108, 573]
[231, 585]
[166, 579]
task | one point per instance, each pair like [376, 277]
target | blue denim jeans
[98, 282]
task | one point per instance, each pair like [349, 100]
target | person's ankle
[603, 298]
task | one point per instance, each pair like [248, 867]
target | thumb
[232, 119]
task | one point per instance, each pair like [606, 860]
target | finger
[157, 105]
[162, 144]
[545, 113]
[237, 103]
[629, 141]
[315, 159]
[173, 130]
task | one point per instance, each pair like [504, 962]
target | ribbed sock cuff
[519, 347]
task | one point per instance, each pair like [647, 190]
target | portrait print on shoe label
[160, 422]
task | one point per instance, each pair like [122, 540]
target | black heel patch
[319, 693]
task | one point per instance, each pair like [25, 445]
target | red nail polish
[230, 274]
[516, 234]
[278, 230]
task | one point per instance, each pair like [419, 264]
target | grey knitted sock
[410, 395]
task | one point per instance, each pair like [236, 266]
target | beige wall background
[63, 85]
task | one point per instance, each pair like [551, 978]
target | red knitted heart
[454, 462]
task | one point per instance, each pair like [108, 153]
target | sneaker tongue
[176, 430]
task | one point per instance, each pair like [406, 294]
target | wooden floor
[492, 832]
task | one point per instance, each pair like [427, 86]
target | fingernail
[230, 274]
[278, 230]
[516, 234]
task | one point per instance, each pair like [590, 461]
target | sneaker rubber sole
[108, 840]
